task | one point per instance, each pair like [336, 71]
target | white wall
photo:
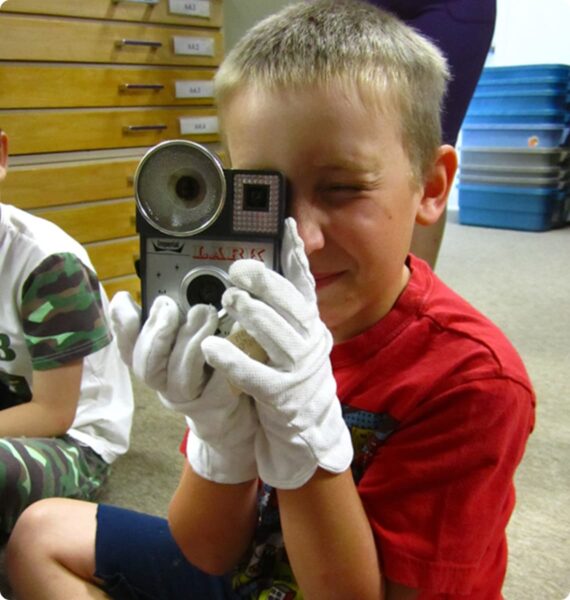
[531, 32]
[240, 15]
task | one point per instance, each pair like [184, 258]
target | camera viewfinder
[256, 197]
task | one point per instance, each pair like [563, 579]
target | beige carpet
[520, 280]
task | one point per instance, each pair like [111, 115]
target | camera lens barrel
[204, 285]
[180, 188]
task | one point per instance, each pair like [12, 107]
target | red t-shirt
[440, 408]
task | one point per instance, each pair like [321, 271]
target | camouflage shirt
[51, 310]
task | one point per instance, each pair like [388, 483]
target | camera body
[195, 219]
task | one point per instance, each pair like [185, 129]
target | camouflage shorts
[36, 468]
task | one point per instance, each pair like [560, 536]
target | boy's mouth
[323, 280]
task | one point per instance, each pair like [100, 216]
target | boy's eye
[346, 188]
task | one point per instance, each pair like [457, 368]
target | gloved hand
[301, 420]
[166, 355]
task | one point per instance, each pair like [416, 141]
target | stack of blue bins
[515, 150]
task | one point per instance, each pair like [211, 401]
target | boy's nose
[310, 221]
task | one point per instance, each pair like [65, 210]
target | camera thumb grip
[249, 345]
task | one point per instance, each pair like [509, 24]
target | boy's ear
[3, 154]
[437, 186]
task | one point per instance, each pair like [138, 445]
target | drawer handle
[137, 1]
[135, 128]
[146, 43]
[141, 86]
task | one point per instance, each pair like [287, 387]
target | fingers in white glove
[271, 288]
[155, 343]
[294, 262]
[125, 316]
[243, 372]
[187, 372]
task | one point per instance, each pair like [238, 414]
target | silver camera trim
[198, 272]
[217, 167]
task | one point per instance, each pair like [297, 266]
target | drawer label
[198, 125]
[194, 89]
[193, 45]
[195, 8]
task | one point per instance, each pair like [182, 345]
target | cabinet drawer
[43, 186]
[76, 40]
[33, 132]
[114, 259]
[130, 284]
[94, 222]
[77, 86]
[202, 13]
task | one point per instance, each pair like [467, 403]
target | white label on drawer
[193, 45]
[196, 8]
[194, 89]
[198, 125]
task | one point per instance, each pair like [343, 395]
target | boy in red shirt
[387, 425]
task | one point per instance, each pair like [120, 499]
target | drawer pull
[146, 43]
[135, 128]
[141, 86]
[137, 1]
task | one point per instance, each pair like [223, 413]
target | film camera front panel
[195, 219]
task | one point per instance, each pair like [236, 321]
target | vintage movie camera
[195, 218]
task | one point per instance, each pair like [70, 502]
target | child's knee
[36, 530]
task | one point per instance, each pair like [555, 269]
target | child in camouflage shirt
[66, 400]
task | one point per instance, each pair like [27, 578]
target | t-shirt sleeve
[62, 312]
[439, 492]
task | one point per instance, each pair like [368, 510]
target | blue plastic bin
[505, 115]
[510, 180]
[522, 84]
[526, 101]
[560, 72]
[531, 158]
[527, 209]
[539, 135]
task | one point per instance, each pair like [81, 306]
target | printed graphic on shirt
[63, 318]
[13, 390]
[6, 352]
[266, 574]
[369, 431]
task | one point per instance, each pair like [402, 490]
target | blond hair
[360, 46]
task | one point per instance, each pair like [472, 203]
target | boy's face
[351, 193]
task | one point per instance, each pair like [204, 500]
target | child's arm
[51, 411]
[330, 544]
[328, 538]
[212, 523]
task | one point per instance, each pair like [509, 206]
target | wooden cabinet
[68, 86]
[86, 87]
[44, 39]
[200, 13]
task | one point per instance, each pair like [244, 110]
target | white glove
[301, 419]
[166, 355]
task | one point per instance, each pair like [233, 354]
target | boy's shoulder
[464, 335]
[31, 239]
[432, 341]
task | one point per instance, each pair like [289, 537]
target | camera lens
[256, 197]
[206, 289]
[188, 188]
